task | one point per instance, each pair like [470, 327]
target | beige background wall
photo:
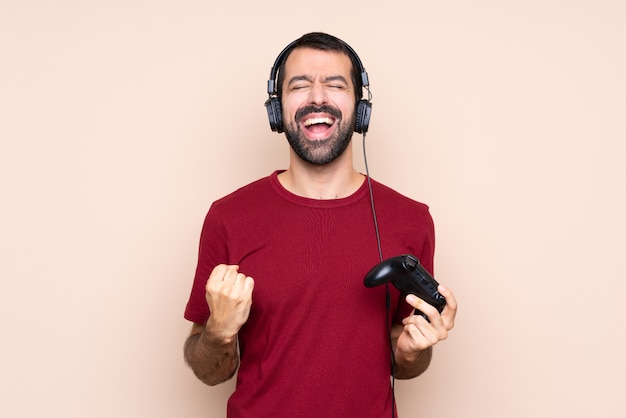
[121, 121]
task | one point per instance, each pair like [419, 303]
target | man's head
[319, 84]
[325, 42]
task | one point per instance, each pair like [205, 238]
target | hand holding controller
[407, 274]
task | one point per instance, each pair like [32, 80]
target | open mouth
[318, 122]
[319, 125]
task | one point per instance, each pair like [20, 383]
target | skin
[312, 78]
[211, 349]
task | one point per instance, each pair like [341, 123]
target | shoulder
[401, 214]
[390, 197]
[247, 194]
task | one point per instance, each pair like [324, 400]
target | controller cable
[388, 320]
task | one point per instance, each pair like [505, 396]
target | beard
[325, 151]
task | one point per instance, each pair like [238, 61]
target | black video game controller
[408, 276]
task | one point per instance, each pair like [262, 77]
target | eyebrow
[298, 78]
[336, 78]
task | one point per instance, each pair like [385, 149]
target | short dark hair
[325, 42]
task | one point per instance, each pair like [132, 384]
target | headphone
[272, 104]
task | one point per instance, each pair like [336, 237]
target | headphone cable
[387, 294]
[369, 185]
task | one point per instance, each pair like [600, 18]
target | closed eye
[336, 82]
[298, 83]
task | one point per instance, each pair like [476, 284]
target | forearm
[408, 367]
[213, 360]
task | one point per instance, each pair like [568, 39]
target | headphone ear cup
[362, 117]
[274, 114]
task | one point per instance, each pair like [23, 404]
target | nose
[317, 94]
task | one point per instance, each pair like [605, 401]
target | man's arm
[213, 360]
[409, 367]
[211, 350]
[413, 341]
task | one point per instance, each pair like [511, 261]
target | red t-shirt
[316, 341]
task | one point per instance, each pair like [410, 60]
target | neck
[336, 180]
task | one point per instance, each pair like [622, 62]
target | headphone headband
[272, 83]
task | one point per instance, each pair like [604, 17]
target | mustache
[334, 112]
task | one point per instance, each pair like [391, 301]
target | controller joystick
[407, 274]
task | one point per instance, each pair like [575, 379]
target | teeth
[315, 121]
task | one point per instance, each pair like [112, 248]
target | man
[278, 293]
